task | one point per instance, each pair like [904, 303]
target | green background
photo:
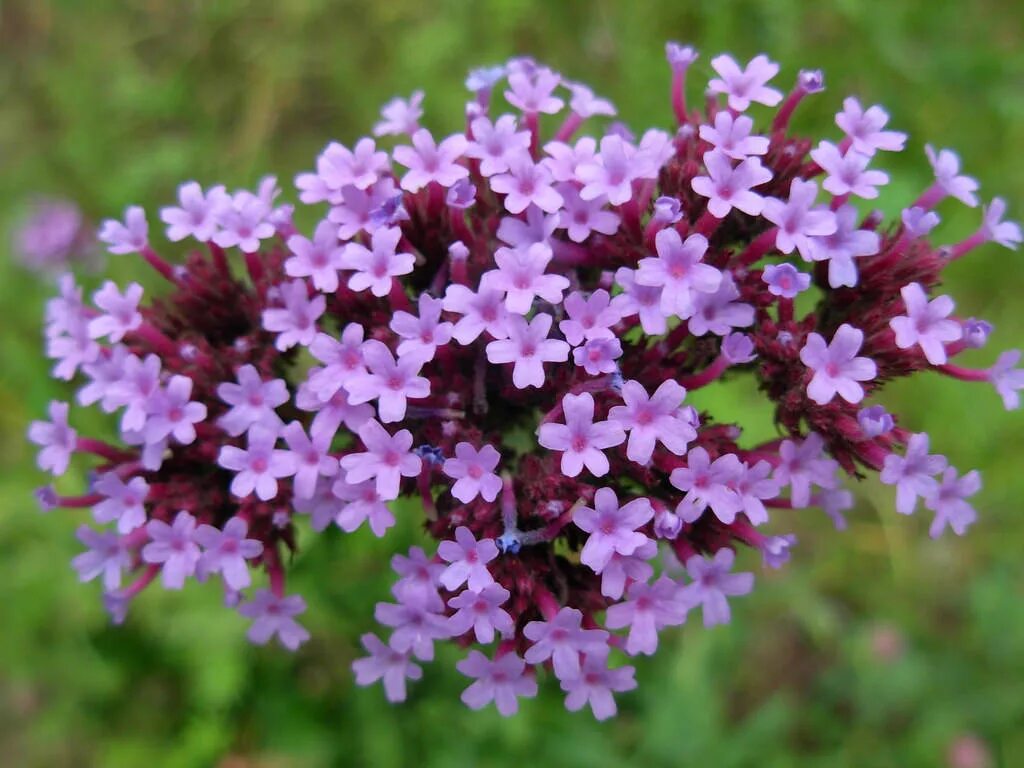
[875, 647]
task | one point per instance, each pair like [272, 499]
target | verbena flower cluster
[505, 323]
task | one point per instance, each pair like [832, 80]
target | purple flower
[743, 86]
[864, 128]
[461, 195]
[389, 381]
[473, 472]
[637, 299]
[295, 323]
[421, 336]
[775, 550]
[946, 164]
[713, 583]
[802, 464]
[526, 184]
[312, 457]
[800, 223]
[680, 57]
[564, 161]
[467, 560]
[420, 577]
[139, 382]
[56, 438]
[173, 547]
[611, 173]
[130, 237]
[362, 504]
[612, 528]
[252, 401]
[731, 136]
[995, 230]
[105, 556]
[913, 474]
[834, 502]
[588, 317]
[400, 116]
[580, 218]
[532, 92]
[1006, 378]
[918, 222]
[836, 367]
[580, 439]
[647, 609]
[387, 459]
[480, 611]
[120, 311]
[431, 163]
[53, 235]
[528, 347]
[494, 143]
[785, 280]
[415, 626]
[585, 104]
[342, 360]
[481, 311]
[124, 502]
[259, 466]
[753, 486]
[719, 312]
[172, 412]
[367, 210]
[318, 259]
[708, 484]
[843, 246]
[623, 568]
[361, 167]
[244, 222]
[387, 664]
[925, 323]
[650, 419]
[376, 266]
[847, 173]
[197, 215]
[225, 552]
[273, 615]
[594, 685]
[562, 640]
[948, 502]
[875, 421]
[598, 356]
[727, 187]
[679, 270]
[501, 681]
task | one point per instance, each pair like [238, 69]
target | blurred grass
[876, 647]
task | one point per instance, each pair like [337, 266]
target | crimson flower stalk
[506, 326]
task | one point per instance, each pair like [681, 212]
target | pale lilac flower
[913, 474]
[785, 280]
[473, 472]
[918, 222]
[747, 85]
[875, 421]
[494, 143]
[1007, 378]
[134, 389]
[834, 502]
[197, 215]
[650, 419]
[387, 664]
[421, 336]
[585, 104]
[848, 174]
[732, 136]
[581, 218]
[836, 366]
[753, 486]
[727, 187]
[312, 457]
[400, 116]
[53, 235]
[243, 222]
[719, 312]
[225, 552]
[362, 504]
[946, 164]
[501, 681]
[680, 57]
[273, 615]
[483, 79]
[713, 583]
[926, 324]
[995, 230]
[480, 611]
[125, 502]
[173, 548]
[580, 439]
[532, 92]
[387, 459]
[612, 528]
[295, 322]
[333, 412]
[598, 356]
[564, 161]
[259, 466]
[864, 128]
[611, 173]
[843, 246]
[525, 184]
[948, 502]
[562, 640]
[709, 484]
[375, 267]
[130, 237]
[172, 412]
[467, 560]
[481, 311]
[656, 148]
[105, 556]
[803, 463]
[638, 299]
[363, 210]
[528, 347]
[647, 609]
[56, 438]
[623, 568]
[800, 223]
[667, 210]
[71, 350]
[679, 270]
[588, 317]
[594, 685]
[419, 578]
[318, 259]
[415, 626]
[775, 550]
[389, 381]
[431, 163]
[120, 311]
[360, 167]
[252, 401]
[105, 372]
[342, 360]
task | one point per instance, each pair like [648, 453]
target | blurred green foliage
[876, 647]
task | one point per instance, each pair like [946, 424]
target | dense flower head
[506, 326]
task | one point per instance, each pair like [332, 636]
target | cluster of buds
[507, 328]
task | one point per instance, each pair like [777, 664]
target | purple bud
[509, 543]
[775, 550]
[737, 348]
[875, 421]
[232, 598]
[484, 78]
[458, 251]
[976, 332]
[620, 129]
[47, 498]
[461, 195]
[667, 210]
[918, 222]
[281, 519]
[667, 524]
[811, 80]
[116, 605]
[390, 213]
[680, 56]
